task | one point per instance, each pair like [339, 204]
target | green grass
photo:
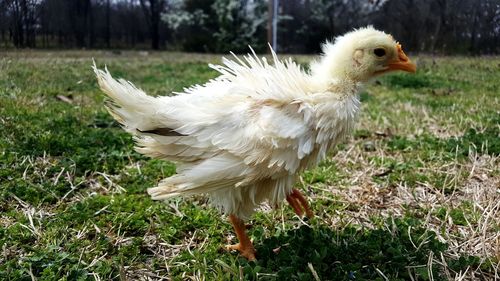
[413, 194]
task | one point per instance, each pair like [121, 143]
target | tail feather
[129, 105]
[150, 120]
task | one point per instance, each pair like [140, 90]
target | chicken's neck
[336, 109]
[332, 115]
[343, 87]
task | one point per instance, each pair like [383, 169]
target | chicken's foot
[245, 246]
[299, 203]
[295, 205]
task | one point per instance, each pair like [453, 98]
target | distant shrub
[218, 25]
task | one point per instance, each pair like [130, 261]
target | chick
[244, 137]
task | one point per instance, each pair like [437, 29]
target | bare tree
[22, 21]
[79, 21]
[152, 10]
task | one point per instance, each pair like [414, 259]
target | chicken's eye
[379, 52]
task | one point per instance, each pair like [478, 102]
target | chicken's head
[362, 54]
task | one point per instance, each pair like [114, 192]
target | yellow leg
[245, 246]
[298, 199]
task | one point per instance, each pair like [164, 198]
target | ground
[414, 194]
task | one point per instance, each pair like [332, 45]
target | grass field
[414, 194]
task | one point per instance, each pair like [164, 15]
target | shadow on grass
[398, 250]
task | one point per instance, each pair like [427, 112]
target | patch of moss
[487, 142]
[345, 255]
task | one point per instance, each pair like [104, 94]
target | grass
[413, 195]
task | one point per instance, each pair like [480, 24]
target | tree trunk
[17, 30]
[155, 25]
[473, 35]
[108, 24]
[152, 13]
[91, 26]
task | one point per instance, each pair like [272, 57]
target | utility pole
[272, 23]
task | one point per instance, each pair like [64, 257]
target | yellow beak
[402, 62]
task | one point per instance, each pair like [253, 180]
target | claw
[248, 253]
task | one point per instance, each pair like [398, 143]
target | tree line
[437, 26]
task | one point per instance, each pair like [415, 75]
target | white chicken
[243, 137]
